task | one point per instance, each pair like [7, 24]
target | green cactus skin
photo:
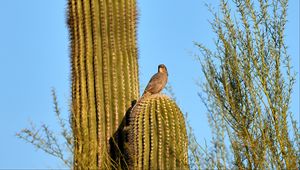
[157, 137]
[104, 74]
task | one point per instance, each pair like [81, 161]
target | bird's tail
[145, 95]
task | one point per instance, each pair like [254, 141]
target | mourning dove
[156, 84]
[157, 81]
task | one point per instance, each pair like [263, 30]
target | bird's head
[162, 68]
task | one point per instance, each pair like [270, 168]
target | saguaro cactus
[157, 136]
[104, 74]
[104, 84]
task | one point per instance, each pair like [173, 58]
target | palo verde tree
[248, 89]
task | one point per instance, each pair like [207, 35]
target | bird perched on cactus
[156, 84]
[154, 139]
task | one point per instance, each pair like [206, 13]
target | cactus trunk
[104, 75]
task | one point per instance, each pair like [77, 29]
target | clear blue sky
[34, 57]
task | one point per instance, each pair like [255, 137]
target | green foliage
[248, 88]
[157, 136]
[47, 140]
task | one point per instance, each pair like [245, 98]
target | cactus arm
[155, 121]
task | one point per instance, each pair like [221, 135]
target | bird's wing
[155, 80]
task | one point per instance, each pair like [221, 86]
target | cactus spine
[104, 74]
[157, 136]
